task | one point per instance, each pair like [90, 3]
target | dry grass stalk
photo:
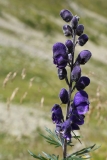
[12, 97]
[31, 82]
[23, 97]
[23, 74]
[98, 91]
[42, 101]
[13, 76]
[13, 94]
[7, 79]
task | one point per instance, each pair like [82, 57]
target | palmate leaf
[52, 138]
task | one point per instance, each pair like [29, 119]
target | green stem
[69, 92]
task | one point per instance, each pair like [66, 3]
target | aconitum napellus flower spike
[63, 95]
[66, 15]
[82, 83]
[67, 30]
[79, 30]
[82, 39]
[83, 56]
[76, 73]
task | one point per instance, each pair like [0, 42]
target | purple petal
[83, 108]
[80, 97]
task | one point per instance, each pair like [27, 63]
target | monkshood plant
[77, 105]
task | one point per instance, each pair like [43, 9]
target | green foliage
[48, 156]
[81, 153]
[54, 139]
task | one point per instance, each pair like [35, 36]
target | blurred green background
[28, 78]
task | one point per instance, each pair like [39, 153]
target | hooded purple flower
[60, 56]
[67, 30]
[80, 29]
[83, 56]
[76, 73]
[82, 39]
[69, 45]
[63, 95]
[82, 83]
[76, 118]
[81, 102]
[62, 73]
[74, 22]
[57, 115]
[66, 127]
[66, 15]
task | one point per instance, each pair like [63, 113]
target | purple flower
[76, 73]
[81, 102]
[76, 118]
[59, 49]
[82, 83]
[69, 45]
[62, 73]
[74, 22]
[82, 39]
[67, 30]
[80, 29]
[57, 115]
[66, 15]
[60, 56]
[66, 127]
[63, 95]
[84, 56]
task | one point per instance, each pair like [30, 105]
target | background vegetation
[28, 29]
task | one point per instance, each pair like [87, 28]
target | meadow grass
[98, 6]
[39, 16]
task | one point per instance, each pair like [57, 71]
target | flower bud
[82, 39]
[69, 45]
[66, 15]
[76, 73]
[84, 56]
[80, 29]
[62, 73]
[74, 22]
[82, 83]
[63, 95]
[67, 30]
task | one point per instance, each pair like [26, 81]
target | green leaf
[37, 157]
[82, 152]
[52, 138]
[51, 157]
